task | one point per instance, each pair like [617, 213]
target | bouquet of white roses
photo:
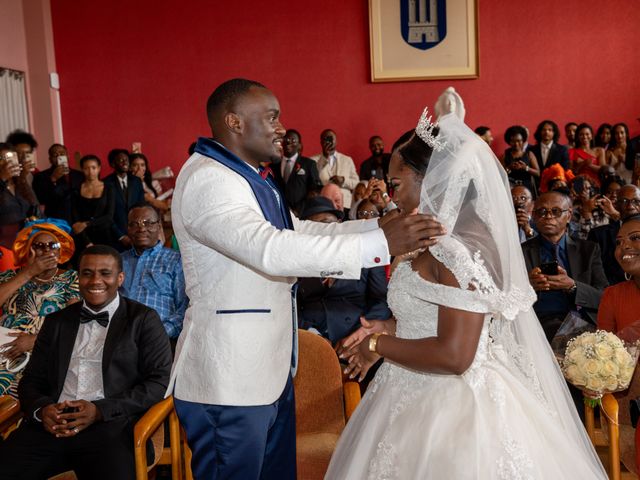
[599, 362]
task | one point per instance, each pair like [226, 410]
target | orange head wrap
[53, 226]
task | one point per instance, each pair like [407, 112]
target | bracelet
[373, 342]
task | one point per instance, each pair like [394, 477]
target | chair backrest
[318, 386]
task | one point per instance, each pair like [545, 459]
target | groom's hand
[406, 233]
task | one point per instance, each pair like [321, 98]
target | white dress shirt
[84, 377]
[544, 151]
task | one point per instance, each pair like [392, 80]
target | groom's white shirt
[236, 343]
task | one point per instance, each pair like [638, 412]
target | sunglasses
[45, 246]
[555, 212]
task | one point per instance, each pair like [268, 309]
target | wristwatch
[572, 289]
[373, 342]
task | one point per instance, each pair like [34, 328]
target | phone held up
[549, 268]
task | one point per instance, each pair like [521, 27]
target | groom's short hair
[224, 97]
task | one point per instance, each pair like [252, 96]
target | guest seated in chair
[619, 314]
[96, 367]
[37, 288]
[567, 274]
[153, 273]
[333, 307]
[627, 204]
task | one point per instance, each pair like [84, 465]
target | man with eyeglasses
[153, 273]
[627, 204]
[566, 273]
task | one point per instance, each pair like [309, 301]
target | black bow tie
[87, 315]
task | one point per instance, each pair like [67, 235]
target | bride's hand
[368, 327]
[361, 359]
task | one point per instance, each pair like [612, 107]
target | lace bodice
[414, 302]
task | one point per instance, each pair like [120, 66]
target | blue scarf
[274, 211]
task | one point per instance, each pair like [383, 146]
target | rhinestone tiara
[424, 130]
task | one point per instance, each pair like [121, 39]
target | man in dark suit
[334, 306]
[96, 367]
[580, 278]
[296, 176]
[377, 165]
[547, 151]
[128, 192]
[54, 185]
[627, 204]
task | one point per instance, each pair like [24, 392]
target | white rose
[625, 376]
[611, 383]
[621, 356]
[595, 384]
[590, 367]
[575, 376]
[576, 355]
[609, 369]
[603, 350]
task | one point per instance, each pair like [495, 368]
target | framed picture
[423, 39]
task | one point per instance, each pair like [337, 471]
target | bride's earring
[627, 276]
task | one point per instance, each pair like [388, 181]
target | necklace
[40, 279]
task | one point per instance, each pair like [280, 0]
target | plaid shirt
[155, 279]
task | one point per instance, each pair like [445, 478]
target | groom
[241, 251]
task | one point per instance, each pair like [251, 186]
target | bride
[469, 388]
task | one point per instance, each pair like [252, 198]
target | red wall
[142, 70]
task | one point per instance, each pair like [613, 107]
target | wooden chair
[151, 426]
[323, 404]
[608, 436]
[10, 415]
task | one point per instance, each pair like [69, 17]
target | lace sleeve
[476, 284]
[438, 294]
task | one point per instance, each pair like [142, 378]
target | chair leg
[174, 442]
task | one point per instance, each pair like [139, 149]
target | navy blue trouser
[246, 443]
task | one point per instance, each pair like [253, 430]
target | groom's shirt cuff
[374, 248]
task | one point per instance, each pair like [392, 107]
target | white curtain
[13, 102]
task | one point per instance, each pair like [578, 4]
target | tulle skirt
[485, 424]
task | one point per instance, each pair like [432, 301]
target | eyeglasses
[45, 246]
[148, 224]
[368, 214]
[626, 201]
[555, 212]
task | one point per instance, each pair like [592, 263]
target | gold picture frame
[396, 27]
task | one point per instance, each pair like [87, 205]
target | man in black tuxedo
[627, 204]
[296, 176]
[128, 192]
[54, 185]
[547, 150]
[580, 278]
[96, 367]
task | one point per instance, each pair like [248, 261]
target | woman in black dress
[93, 205]
[521, 165]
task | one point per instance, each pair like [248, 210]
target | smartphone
[63, 160]
[549, 268]
[637, 160]
[578, 185]
[12, 158]
[31, 159]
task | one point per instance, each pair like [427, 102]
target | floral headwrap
[53, 226]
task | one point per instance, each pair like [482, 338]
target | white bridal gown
[489, 423]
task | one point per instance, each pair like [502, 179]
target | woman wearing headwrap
[37, 288]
